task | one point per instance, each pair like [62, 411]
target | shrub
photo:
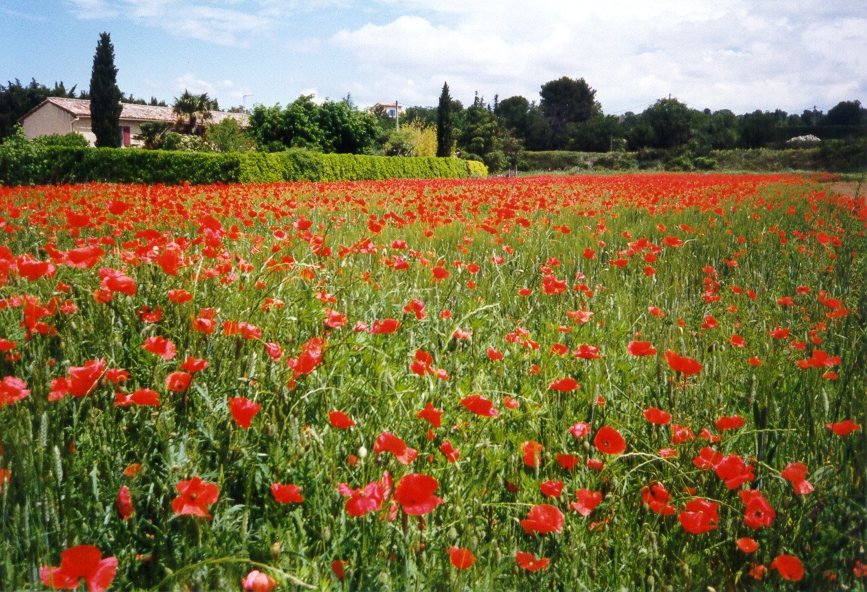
[24, 163]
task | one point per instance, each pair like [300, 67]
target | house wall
[82, 126]
[50, 119]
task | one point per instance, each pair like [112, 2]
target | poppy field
[649, 382]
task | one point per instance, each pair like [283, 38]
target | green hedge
[30, 165]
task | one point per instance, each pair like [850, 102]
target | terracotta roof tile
[81, 108]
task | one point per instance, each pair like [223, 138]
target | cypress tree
[445, 131]
[105, 107]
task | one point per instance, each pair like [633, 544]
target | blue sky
[736, 54]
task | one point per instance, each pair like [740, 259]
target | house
[58, 115]
[391, 109]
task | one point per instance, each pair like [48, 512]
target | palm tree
[193, 107]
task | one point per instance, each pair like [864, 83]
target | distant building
[57, 115]
[390, 109]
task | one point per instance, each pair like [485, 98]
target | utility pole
[396, 116]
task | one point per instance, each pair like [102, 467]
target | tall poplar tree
[105, 107]
[445, 131]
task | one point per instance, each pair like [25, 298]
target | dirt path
[849, 188]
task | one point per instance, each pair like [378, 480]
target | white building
[57, 115]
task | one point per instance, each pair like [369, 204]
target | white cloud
[737, 54]
[224, 89]
[730, 54]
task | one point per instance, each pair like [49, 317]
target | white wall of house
[50, 119]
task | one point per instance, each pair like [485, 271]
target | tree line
[566, 116]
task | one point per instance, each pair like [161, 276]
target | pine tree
[445, 131]
[105, 107]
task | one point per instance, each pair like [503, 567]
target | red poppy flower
[431, 414]
[747, 545]
[758, 512]
[116, 281]
[682, 364]
[707, 458]
[123, 503]
[564, 385]
[243, 410]
[586, 501]
[789, 567]
[274, 351]
[79, 382]
[12, 389]
[178, 381]
[132, 469]
[82, 562]
[758, 571]
[116, 375]
[144, 396]
[796, 474]
[256, 581]
[738, 341]
[195, 497]
[338, 568]
[384, 326]
[640, 348]
[699, 516]
[286, 493]
[609, 441]
[160, 346]
[580, 429]
[657, 416]
[479, 405]
[731, 422]
[530, 562]
[461, 558]
[421, 363]
[449, 451]
[551, 488]
[179, 296]
[340, 420]
[494, 355]
[656, 498]
[440, 273]
[388, 442]
[818, 359]
[734, 471]
[567, 461]
[656, 311]
[532, 453]
[415, 307]
[368, 499]
[587, 352]
[543, 519]
[415, 494]
[844, 428]
[309, 358]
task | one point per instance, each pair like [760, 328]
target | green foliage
[413, 139]
[844, 155]
[227, 136]
[445, 125]
[331, 127]
[153, 134]
[17, 99]
[105, 107]
[193, 111]
[25, 163]
[70, 140]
